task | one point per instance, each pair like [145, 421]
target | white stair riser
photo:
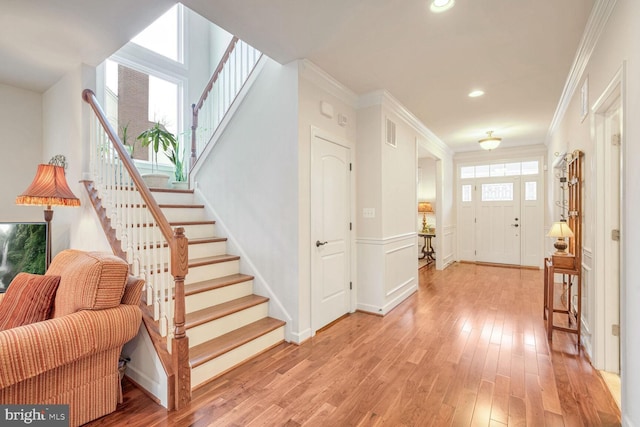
[164, 198]
[221, 326]
[184, 214]
[200, 250]
[206, 272]
[219, 365]
[191, 231]
[141, 215]
[199, 231]
[206, 299]
[212, 271]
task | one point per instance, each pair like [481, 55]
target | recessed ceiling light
[476, 93]
[438, 6]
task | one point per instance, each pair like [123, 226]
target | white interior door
[498, 221]
[330, 221]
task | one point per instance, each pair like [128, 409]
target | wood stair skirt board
[226, 323]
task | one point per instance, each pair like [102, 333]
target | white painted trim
[400, 286]
[600, 13]
[399, 249]
[626, 421]
[385, 240]
[384, 98]
[300, 337]
[397, 300]
[279, 309]
[322, 79]
[235, 105]
[617, 86]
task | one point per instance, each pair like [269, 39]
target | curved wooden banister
[195, 108]
[90, 98]
[216, 73]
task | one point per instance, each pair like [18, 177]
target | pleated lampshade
[49, 188]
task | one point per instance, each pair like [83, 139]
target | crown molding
[598, 18]
[384, 98]
[321, 78]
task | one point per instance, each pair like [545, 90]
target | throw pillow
[29, 299]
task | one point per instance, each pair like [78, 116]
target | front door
[330, 222]
[498, 221]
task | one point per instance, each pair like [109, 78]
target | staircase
[225, 322]
[199, 310]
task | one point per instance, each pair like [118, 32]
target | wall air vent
[391, 133]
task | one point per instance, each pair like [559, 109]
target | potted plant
[124, 137]
[157, 137]
[176, 156]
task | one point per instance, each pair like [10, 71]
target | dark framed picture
[23, 248]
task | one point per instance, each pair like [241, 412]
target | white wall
[21, 124]
[618, 43]
[66, 131]
[250, 181]
[387, 254]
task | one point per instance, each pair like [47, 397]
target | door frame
[321, 133]
[603, 358]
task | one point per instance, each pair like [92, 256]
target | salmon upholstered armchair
[72, 358]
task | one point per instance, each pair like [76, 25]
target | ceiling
[518, 52]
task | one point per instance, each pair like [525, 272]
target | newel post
[180, 343]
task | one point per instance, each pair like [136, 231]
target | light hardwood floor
[468, 349]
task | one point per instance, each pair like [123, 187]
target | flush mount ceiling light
[476, 93]
[490, 142]
[438, 6]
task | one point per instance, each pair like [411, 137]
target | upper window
[500, 169]
[164, 35]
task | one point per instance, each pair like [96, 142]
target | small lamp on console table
[424, 208]
[560, 230]
[49, 188]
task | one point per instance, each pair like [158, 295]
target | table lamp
[560, 230]
[423, 208]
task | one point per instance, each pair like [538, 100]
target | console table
[427, 250]
[565, 265]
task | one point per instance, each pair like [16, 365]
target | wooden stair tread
[198, 262]
[211, 349]
[202, 222]
[220, 310]
[201, 240]
[195, 241]
[180, 206]
[170, 190]
[217, 283]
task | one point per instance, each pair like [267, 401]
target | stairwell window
[165, 35]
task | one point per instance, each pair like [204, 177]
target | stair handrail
[178, 249]
[229, 93]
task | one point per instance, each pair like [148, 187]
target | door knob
[319, 243]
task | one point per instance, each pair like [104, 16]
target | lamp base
[561, 246]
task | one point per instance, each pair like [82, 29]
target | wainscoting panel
[447, 248]
[588, 301]
[387, 272]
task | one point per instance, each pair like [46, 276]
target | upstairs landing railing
[153, 250]
[228, 79]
